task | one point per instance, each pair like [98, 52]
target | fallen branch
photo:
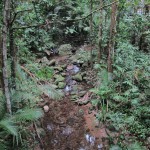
[39, 137]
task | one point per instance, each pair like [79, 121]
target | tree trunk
[100, 32]
[91, 31]
[112, 39]
[4, 53]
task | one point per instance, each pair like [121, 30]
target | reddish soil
[66, 127]
[69, 126]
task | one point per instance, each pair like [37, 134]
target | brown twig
[39, 137]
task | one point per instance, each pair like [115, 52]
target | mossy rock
[61, 85]
[59, 78]
[77, 77]
[52, 62]
[58, 68]
[65, 49]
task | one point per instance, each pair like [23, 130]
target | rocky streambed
[70, 123]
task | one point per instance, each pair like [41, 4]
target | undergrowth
[124, 102]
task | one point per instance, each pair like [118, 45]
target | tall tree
[111, 43]
[91, 29]
[100, 32]
[6, 15]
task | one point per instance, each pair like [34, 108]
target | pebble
[46, 108]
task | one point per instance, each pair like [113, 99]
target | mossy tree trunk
[112, 39]
[6, 18]
[100, 32]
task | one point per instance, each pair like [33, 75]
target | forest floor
[70, 123]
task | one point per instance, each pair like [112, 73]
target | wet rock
[52, 62]
[63, 74]
[77, 77]
[59, 78]
[58, 68]
[61, 85]
[44, 60]
[74, 97]
[82, 93]
[46, 108]
[65, 49]
[100, 146]
[68, 88]
[70, 67]
[90, 139]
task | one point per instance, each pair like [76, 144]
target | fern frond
[29, 114]
[2, 105]
[2, 146]
[8, 125]
[51, 92]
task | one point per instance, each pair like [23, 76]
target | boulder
[65, 49]
[77, 77]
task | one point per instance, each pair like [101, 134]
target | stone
[58, 68]
[61, 85]
[46, 108]
[45, 60]
[82, 93]
[52, 62]
[77, 77]
[59, 78]
[65, 49]
[54, 86]
[63, 74]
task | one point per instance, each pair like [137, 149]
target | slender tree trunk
[1, 61]
[91, 30]
[112, 39]
[4, 53]
[100, 32]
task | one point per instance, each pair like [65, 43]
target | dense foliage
[37, 26]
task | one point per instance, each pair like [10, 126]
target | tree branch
[25, 27]
[90, 13]
[16, 13]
